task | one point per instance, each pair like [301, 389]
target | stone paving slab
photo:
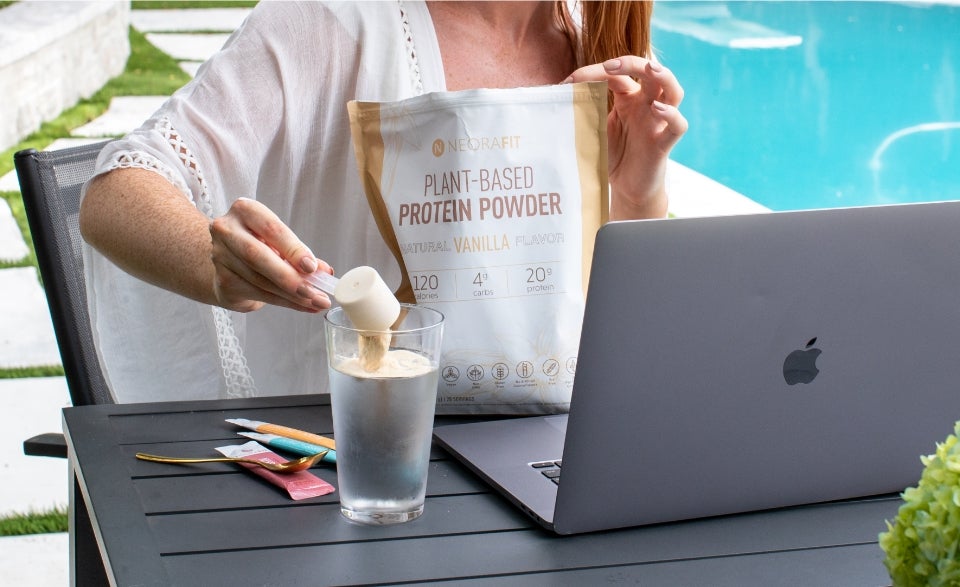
[40, 560]
[29, 484]
[31, 406]
[186, 47]
[189, 19]
[191, 67]
[124, 115]
[12, 246]
[26, 330]
[9, 183]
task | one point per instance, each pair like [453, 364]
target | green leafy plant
[922, 543]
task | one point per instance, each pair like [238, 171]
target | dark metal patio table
[215, 524]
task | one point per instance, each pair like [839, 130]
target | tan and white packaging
[490, 200]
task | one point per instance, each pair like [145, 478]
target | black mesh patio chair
[50, 182]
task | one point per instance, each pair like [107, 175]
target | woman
[219, 200]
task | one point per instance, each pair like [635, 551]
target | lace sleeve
[173, 160]
[131, 154]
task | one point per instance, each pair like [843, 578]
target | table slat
[819, 567]
[460, 556]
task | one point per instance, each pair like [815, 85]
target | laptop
[742, 363]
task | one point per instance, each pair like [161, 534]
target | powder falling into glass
[371, 306]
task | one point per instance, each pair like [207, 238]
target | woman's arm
[145, 226]
[175, 217]
[240, 261]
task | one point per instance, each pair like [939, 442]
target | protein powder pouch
[490, 200]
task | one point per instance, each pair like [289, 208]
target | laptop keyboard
[549, 469]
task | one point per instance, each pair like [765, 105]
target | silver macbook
[740, 363]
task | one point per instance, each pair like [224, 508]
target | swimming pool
[818, 104]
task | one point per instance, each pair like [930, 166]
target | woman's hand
[642, 127]
[257, 259]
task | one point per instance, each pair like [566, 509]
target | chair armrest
[51, 444]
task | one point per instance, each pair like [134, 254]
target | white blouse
[265, 118]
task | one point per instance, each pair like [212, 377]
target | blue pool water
[834, 104]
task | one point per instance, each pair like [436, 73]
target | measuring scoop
[364, 295]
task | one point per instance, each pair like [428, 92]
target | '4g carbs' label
[490, 200]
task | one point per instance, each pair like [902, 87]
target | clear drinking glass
[383, 419]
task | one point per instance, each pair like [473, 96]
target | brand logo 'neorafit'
[461, 144]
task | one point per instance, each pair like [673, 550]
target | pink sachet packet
[299, 485]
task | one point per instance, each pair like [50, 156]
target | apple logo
[800, 366]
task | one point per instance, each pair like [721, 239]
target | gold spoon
[300, 464]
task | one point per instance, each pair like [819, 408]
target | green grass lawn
[54, 520]
[149, 72]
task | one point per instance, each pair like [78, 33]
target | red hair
[609, 29]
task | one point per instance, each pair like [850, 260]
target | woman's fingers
[656, 81]
[675, 124]
[237, 294]
[258, 258]
[262, 222]
[629, 74]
